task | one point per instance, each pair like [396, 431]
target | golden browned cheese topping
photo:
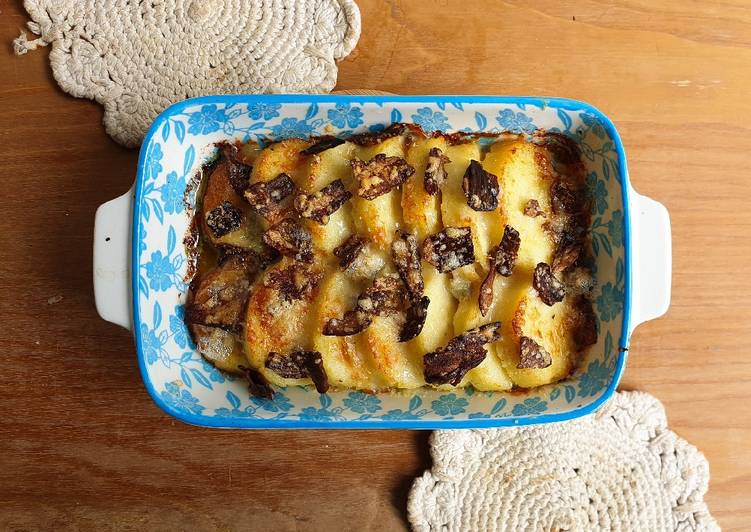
[395, 260]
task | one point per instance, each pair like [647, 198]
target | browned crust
[293, 282]
[506, 252]
[217, 191]
[565, 155]
[566, 199]
[223, 219]
[583, 322]
[517, 321]
[533, 209]
[191, 241]
[560, 161]
[239, 172]
[264, 258]
[565, 255]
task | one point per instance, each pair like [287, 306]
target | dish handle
[651, 259]
[112, 244]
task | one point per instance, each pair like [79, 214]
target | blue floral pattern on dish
[278, 403]
[615, 229]
[594, 379]
[179, 329]
[214, 374]
[160, 271]
[265, 111]
[235, 412]
[399, 415]
[207, 120]
[594, 124]
[598, 373]
[181, 400]
[172, 193]
[153, 163]
[449, 405]
[141, 239]
[598, 193]
[362, 403]
[312, 413]
[292, 128]
[345, 115]
[151, 345]
[530, 407]
[190, 385]
[430, 121]
[515, 122]
[609, 302]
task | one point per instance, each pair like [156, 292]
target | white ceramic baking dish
[140, 265]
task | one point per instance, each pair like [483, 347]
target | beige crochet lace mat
[136, 58]
[618, 469]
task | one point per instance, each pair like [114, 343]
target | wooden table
[81, 444]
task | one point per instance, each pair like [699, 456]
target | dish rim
[419, 424]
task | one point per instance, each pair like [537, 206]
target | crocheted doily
[618, 469]
[136, 58]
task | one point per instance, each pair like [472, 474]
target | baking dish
[140, 264]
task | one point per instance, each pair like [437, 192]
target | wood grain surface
[83, 447]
